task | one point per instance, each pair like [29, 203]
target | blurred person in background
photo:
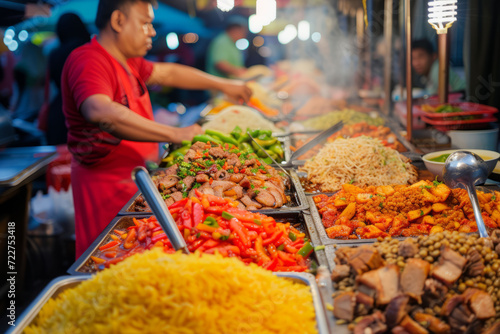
[224, 59]
[72, 33]
[29, 75]
[109, 114]
[426, 65]
[7, 62]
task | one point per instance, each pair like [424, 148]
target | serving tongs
[141, 177]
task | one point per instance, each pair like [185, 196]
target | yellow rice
[156, 292]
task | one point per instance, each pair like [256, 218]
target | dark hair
[107, 7]
[423, 44]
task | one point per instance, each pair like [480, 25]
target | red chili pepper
[262, 171]
[181, 203]
[259, 248]
[271, 265]
[288, 259]
[235, 169]
[197, 214]
[118, 232]
[141, 234]
[272, 251]
[210, 181]
[110, 255]
[215, 200]
[109, 245]
[186, 219]
[135, 222]
[215, 209]
[242, 170]
[158, 237]
[238, 228]
[195, 245]
[130, 240]
[252, 227]
[244, 216]
[274, 238]
[159, 228]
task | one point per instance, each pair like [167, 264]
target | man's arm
[180, 76]
[229, 69]
[123, 123]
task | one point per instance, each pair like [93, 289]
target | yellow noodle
[156, 292]
[363, 160]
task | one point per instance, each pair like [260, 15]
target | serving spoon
[141, 177]
[464, 170]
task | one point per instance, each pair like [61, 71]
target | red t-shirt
[89, 71]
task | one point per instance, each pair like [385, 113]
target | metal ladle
[141, 177]
[464, 170]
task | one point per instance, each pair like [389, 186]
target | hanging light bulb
[442, 14]
[265, 11]
[225, 5]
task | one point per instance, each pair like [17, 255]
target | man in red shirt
[109, 115]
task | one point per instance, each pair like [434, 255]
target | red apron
[101, 190]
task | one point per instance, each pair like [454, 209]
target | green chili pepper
[254, 133]
[276, 148]
[306, 249]
[292, 236]
[246, 147]
[222, 136]
[186, 143]
[320, 247]
[226, 215]
[257, 221]
[257, 150]
[211, 221]
[244, 138]
[266, 143]
[268, 133]
[236, 133]
[280, 247]
[268, 160]
[206, 138]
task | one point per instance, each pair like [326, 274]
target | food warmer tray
[296, 193]
[61, 284]
[83, 265]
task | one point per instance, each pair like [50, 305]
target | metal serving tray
[82, 266]
[61, 284]
[296, 193]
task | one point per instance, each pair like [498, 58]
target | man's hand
[188, 133]
[237, 90]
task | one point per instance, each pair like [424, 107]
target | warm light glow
[442, 14]
[23, 35]
[254, 24]
[288, 34]
[304, 30]
[190, 38]
[258, 41]
[316, 37]
[242, 44]
[266, 11]
[172, 41]
[225, 5]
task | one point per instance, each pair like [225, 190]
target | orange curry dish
[400, 210]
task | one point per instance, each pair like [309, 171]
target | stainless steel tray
[60, 284]
[83, 265]
[296, 193]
